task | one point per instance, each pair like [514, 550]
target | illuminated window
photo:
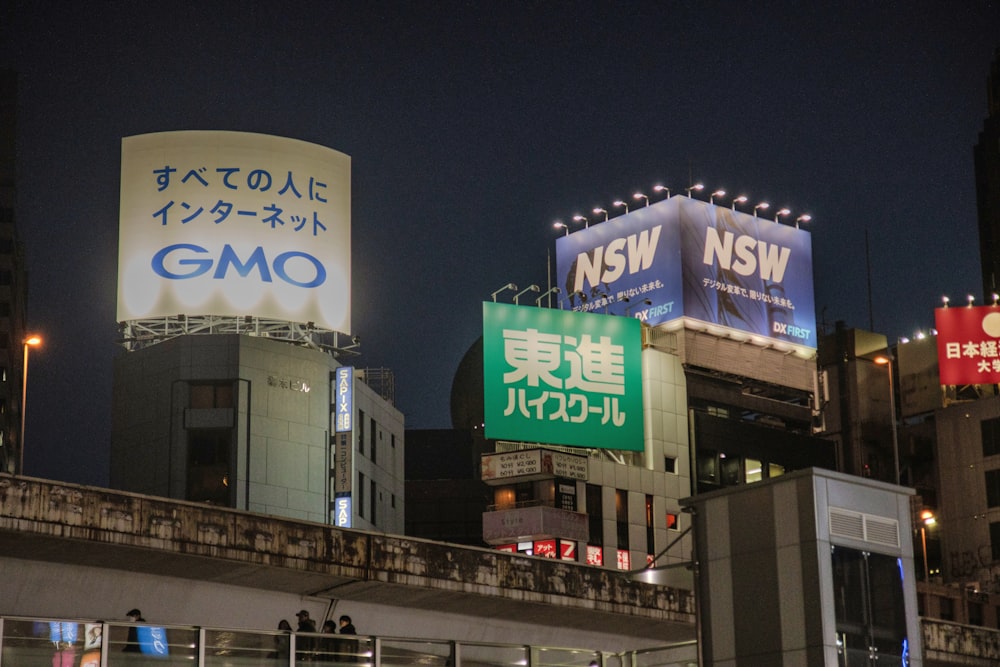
[774, 470]
[673, 521]
[754, 471]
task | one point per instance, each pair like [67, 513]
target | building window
[673, 521]
[595, 515]
[991, 436]
[361, 495]
[361, 431]
[975, 613]
[373, 499]
[209, 395]
[946, 609]
[393, 501]
[6, 277]
[374, 452]
[650, 533]
[4, 308]
[670, 464]
[995, 540]
[392, 440]
[993, 488]
[208, 479]
[621, 518]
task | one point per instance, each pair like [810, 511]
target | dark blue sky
[472, 126]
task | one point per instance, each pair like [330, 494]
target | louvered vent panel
[880, 530]
[864, 527]
[844, 523]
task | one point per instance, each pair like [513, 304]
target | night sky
[471, 127]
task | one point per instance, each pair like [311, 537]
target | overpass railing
[25, 642]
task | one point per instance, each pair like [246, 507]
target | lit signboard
[690, 259]
[968, 342]
[234, 224]
[344, 397]
[342, 511]
[554, 376]
[531, 464]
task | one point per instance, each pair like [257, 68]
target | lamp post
[739, 200]
[31, 341]
[580, 218]
[600, 210]
[760, 207]
[805, 217]
[619, 202]
[559, 224]
[639, 195]
[696, 186]
[780, 213]
[717, 193]
[883, 360]
[926, 520]
[662, 188]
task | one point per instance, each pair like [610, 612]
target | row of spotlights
[697, 187]
[971, 299]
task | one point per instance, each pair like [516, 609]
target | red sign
[567, 550]
[545, 548]
[968, 342]
[595, 555]
[624, 560]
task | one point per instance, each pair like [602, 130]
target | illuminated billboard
[685, 258]
[234, 224]
[554, 376]
[968, 342]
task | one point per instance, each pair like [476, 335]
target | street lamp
[696, 186]
[31, 341]
[511, 286]
[739, 200]
[886, 361]
[529, 288]
[602, 210]
[639, 195]
[760, 207]
[717, 193]
[580, 218]
[805, 217]
[559, 224]
[927, 520]
[780, 213]
[662, 188]
[619, 202]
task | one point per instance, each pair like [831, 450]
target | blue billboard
[685, 258]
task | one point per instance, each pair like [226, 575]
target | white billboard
[234, 224]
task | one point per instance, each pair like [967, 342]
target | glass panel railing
[491, 655]
[566, 657]
[142, 644]
[682, 654]
[236, 647]
[395, 652]
[348, 649]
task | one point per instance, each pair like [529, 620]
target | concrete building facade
[246, 422]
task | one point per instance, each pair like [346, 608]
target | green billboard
[562, 378]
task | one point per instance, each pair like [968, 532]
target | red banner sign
[968, 342]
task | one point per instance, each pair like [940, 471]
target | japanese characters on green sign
[559, 377]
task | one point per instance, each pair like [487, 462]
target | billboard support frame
[139, 334]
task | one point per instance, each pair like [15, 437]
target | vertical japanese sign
[968, 342]
[554, 376]
[234, 224]
[344, 407]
